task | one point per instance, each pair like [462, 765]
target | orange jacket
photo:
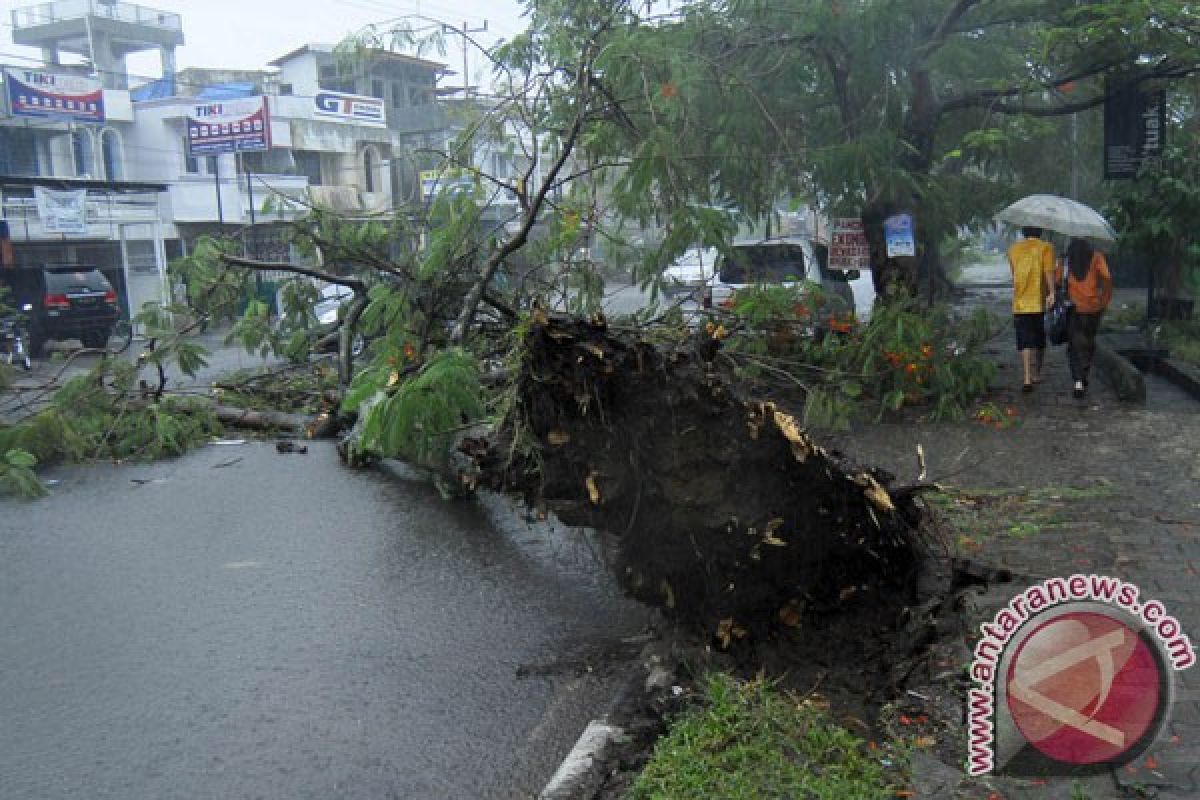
[1092, 294]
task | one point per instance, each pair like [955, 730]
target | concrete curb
[580, 773]
[1121, 374]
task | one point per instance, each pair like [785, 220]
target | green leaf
[20, 458]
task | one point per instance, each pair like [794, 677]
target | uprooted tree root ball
[729, 515]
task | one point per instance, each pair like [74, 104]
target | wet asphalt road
[282, 627]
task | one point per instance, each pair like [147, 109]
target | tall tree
[944, 107]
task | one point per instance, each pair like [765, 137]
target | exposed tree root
[731, 517]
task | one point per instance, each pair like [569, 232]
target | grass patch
[751, 740]
[979, 514]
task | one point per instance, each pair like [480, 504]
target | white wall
[301, 73]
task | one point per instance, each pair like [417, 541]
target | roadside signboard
[848, 248]
[352, 109]
[239, 125]
[34, 93]
[899, 234]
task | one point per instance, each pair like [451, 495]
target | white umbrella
[1060, 215]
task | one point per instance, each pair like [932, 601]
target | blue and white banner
[62, 211]
[33, 93]
[898, 232]
[352, 109]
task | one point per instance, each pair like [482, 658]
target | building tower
[102, 31]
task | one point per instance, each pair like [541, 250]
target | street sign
[898, 232]
[848, 248]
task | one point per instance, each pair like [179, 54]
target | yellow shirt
[1032, 264]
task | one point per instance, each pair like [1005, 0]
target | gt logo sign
[350, 109]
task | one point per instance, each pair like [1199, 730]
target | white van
[783, 261]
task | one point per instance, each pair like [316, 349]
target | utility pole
[463, 32]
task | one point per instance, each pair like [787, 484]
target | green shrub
[906, 355]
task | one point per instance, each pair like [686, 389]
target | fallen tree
[729, 515]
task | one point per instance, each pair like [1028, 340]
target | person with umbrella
[1070, 218]
[1090, 288]
[1032, 264]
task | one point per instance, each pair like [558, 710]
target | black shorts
[1031, 331]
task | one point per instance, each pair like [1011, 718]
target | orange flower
[410, 352]
[911, 368]
[668, 90]
[800, 310]
[927, 350]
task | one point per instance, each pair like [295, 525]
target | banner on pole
[1135, 130]
[240, 125]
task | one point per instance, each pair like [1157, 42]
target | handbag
[1058, 318]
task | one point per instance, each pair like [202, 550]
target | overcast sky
[249, 33]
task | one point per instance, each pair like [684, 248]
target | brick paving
[1144, 527]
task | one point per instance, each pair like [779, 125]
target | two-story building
[66, 128]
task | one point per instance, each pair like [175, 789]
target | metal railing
[101, 209]
[63, 10]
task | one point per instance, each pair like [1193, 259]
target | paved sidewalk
[1136, 472]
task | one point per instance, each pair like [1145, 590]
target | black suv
[68, 303]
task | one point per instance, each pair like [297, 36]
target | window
[500, 167]
[773, 263]
[331, 79]
[285, 89]
[416, 96]
[18, 153]
[81, 150]
[252, 162]
[397, 94]
[308, 164]
[212, 165]
[377, 89]
[191, 165]
[370, 165]
[111, 153]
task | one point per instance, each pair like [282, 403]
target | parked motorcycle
[14, 340]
